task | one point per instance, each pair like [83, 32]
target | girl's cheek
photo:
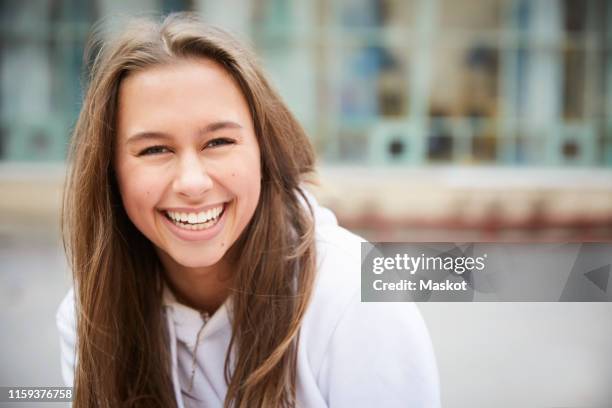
[138, 188]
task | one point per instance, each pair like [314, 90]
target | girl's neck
[204, 289]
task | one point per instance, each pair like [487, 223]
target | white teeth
[201, 218]
[195, 220]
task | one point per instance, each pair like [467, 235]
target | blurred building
[433, 119]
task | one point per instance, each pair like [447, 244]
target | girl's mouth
[196, 221]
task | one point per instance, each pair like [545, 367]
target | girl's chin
[196, 262]
[193, 259]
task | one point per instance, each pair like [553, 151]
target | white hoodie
[350, 354]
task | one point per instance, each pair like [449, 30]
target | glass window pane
[471, 14]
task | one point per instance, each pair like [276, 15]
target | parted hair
[122, 342]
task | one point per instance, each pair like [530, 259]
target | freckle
[233, 174]
[222, 244]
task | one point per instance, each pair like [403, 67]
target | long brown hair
[122, 357]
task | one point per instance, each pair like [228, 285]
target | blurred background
[433, 120]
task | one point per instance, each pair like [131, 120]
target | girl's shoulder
[347, 342]
[338, 259]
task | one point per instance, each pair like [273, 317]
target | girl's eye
[153, 150]
[219, 142]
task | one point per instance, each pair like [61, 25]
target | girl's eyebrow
[211, 127]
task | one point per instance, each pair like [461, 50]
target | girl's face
[187, 160]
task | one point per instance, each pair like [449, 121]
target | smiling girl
[204, 274]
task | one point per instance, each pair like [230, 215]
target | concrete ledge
[430, 194]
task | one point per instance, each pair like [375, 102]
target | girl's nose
[192, 179]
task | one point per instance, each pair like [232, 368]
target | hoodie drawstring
[205, 317]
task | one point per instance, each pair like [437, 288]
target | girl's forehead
[185, 82]
[179, 97]
[202, 67]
